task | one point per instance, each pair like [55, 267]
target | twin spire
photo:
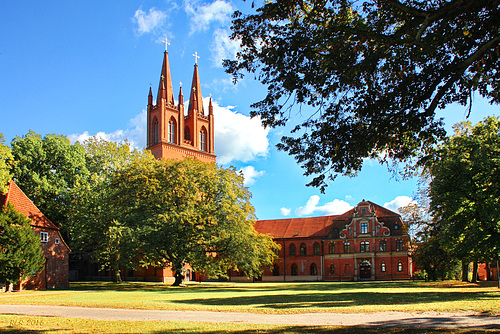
[165, 87]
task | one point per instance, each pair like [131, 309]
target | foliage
[368, 76]
[465, 190]
[20, 250]
[6, 163]
[196, 213]
[94, 225]
[46, 168]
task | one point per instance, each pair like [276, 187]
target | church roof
[25, 206]
[314, 227]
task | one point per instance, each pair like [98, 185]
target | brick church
[368, 242]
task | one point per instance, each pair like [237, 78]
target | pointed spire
[210, 107]
[150, 97]
[196, 99]
[166, 80]
[181, 96]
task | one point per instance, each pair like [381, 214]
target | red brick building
[56, 252]
[368, 242]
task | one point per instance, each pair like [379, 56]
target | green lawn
[48, 325]
[274, 297]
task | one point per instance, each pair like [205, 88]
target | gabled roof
[25, 206]
[322, 226]
[295, 227]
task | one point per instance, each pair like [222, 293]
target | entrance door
[365, 270]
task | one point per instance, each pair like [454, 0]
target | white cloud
[201, 17]
[398, 202]
[135, 133]
[148, 22]
[334, 207]
[224, 47]
[250, 174]
[237, 137]
[285, 211]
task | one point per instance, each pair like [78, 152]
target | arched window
[303, 250]
[171, 131]
[332, 269]
[347, 268]
[156, 131]
[383, 245]
[292, 249]
[400, 266]
[316, 248]
[364, 246]
[347, 247]
[382, 267]
[187, 133]
[331, 248]
[314, 269]
[295, 270]
[276, 270]
[203, 140]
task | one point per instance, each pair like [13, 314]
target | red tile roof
[25, 206]
[319, 226]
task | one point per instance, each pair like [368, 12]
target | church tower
[173, 134]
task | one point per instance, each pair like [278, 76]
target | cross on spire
[196, 57]
[166, 43]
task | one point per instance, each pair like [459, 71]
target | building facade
[367, 242]
[55, 274]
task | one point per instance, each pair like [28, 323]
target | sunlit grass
[275, 297]
[25, 324]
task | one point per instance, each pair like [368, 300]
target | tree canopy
[465, 190]
[46, 168]
[93, 222]
[20, 250]
[6, 162]
[368, 76]
[192, 213]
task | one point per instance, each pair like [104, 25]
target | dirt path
[378, 319]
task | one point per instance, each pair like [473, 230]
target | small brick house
[368, 242]
[56, 251]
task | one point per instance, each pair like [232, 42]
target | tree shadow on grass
[335, 300]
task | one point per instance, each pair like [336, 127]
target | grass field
[56, 325]
[257, 298]
[275, 297]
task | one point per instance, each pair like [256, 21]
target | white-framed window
[400, 267]
[364, 246]
[364, 227]
[57, 241]
[382, 267]
[44, 236]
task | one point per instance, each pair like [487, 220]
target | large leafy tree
[196, 213]
[465, 190]
[46, 168]
[368, 76]
[6, 163]
[93, 219]
[20, 250]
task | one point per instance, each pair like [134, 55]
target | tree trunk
[179, 274]
[117, 277]
[488, 271]
[474, 272]
[465, 271]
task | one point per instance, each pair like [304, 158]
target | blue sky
[83, 68]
